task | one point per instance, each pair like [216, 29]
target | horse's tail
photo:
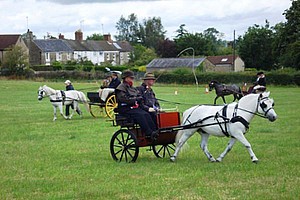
[83, 100]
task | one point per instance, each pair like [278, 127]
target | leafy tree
[255, 47]
[181, 31]
[213, 43]
[128, 29]
[95, 36]
[196, 41]
[142, 55]
[167, 49]
[15, 60]
[151, 32]
[208, 43]
[288, 37]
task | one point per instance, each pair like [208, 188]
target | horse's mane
[51, 90]
[214, 81]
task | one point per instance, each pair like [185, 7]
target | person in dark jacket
[260, 83]
[129, 102]
[69, 86]
[114, 81]
[150, 103]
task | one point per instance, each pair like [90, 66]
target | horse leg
[240, 137]
[227, 149]
[54, 113]
[76, 106]
[203, 146]
[215, 101]
[186, 134]
[234, 97]
[61, 111]
[79, 112]
[223, 99]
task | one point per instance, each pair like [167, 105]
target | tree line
[261, 47]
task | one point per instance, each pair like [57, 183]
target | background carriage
[105, 101]
[125, 143]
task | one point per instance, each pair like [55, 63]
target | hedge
[275, 78]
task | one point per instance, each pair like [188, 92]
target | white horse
[58, 98]
[231, 120]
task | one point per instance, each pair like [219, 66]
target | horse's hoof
[172, 158]
[255, 161]
[219, 160]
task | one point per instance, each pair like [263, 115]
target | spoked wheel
[161, 151]
[123, 146]
[96, 110]
[110, 105]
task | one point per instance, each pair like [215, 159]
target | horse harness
[226, 120]
[217, 117]
[61, 98]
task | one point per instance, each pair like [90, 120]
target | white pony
[58, 98]
[231, 120]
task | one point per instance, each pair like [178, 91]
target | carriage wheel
[161, 151]
[123, 146]
[110, 105]
[96, 110]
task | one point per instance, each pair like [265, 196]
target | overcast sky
[101, 16]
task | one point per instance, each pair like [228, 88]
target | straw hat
[149, 76]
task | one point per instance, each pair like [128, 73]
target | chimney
[107, 37]
[78, 35]
[29, 35]
[60, 36]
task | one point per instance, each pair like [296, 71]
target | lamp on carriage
[193, 64]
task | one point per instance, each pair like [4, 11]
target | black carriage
[125, 143]
[97, 104]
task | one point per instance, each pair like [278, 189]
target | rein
[173, 102]
[64, 98]
[258, 104]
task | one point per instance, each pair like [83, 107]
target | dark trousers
[144, 119]
[68, 109]
[154, 118]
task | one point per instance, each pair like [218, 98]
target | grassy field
[70, 159]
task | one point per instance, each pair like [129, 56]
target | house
[52, 50]
[223, 64]
[8, 41]
[47, 51]
[165, 64]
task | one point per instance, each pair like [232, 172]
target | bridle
[42, 93]
[262, 105]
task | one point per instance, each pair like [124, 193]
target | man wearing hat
[150, 103]
[130, 105]
[114, 80]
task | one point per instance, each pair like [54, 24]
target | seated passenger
[259, 84]
[150, 103]
[115, 82]
[129, 102]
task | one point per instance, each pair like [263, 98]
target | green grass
[70, 159]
